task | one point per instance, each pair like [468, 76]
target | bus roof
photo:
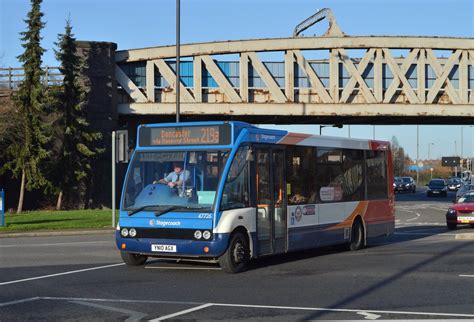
[272, 136]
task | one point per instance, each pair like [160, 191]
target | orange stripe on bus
[361, 209]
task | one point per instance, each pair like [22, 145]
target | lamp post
[178, 53]
[429, 146]
[417, 152]
[462, 141]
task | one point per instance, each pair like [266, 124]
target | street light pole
[178, 83]
[417, 152]
[429, 146]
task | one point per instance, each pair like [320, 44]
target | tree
[27, 155]
[77, 150]
[400, 158]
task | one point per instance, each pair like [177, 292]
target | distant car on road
[454, 184]
[404, 184]
[437, 187]
[462, 212]
[465, 188]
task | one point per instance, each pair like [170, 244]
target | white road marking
[19, 301]
[134, 316]
[197, 308]
[60, 274]
[57, 244]
[195, 268]
[369, 316]
[204, 305]
[345, 310]
[421, 234]
[412, 224]
[466, 275]
[414, 218]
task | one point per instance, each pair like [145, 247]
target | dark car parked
[437, 187]
[404, 184]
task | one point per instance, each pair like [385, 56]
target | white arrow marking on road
[369, 316]
[414, 218]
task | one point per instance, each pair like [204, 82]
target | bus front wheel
[237, 255]
[133, 259]
[357, 236]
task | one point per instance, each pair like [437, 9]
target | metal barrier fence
[11, 78]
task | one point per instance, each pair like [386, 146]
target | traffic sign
[450, 161]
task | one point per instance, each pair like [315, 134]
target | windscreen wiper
[134, 211]
[171, 208]
[167, 209]
[164, 210]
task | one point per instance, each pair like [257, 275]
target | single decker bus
[229, 192]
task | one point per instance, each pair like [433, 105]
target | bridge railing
[11, 78]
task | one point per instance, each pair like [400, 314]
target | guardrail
[11, 78]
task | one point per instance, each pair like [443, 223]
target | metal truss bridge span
[347, 79]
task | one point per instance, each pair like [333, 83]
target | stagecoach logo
[164, 223]
[265, 138]
[167, 223]
[298, 214]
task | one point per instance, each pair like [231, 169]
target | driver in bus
[175, 178]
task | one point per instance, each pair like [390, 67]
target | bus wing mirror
[249, 156]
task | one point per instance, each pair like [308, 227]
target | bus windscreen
[185, 135]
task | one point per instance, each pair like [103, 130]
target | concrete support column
[99, 77]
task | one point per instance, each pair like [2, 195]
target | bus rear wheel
[133, 259]
[357, 236]
[237, 255]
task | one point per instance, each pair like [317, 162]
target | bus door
[271, 201]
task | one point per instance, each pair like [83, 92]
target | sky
[149, 23]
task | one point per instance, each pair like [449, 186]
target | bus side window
[301, 174]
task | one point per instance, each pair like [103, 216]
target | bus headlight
[124, 232]
[132, 232]
[206, 234]
[197, 234]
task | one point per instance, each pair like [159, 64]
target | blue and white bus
[247, 192]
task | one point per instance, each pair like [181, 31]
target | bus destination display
[191, 135]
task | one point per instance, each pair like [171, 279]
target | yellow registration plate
[465, 220]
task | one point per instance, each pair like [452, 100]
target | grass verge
[57, 220]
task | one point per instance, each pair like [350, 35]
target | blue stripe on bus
[185, 248]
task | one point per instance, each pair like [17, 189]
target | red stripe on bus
[294, 138]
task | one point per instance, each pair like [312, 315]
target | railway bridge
[335, 79]
[342, 79]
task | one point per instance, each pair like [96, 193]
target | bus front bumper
[174, 247]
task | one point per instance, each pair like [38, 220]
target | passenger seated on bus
[297, 198]
[175, 178]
